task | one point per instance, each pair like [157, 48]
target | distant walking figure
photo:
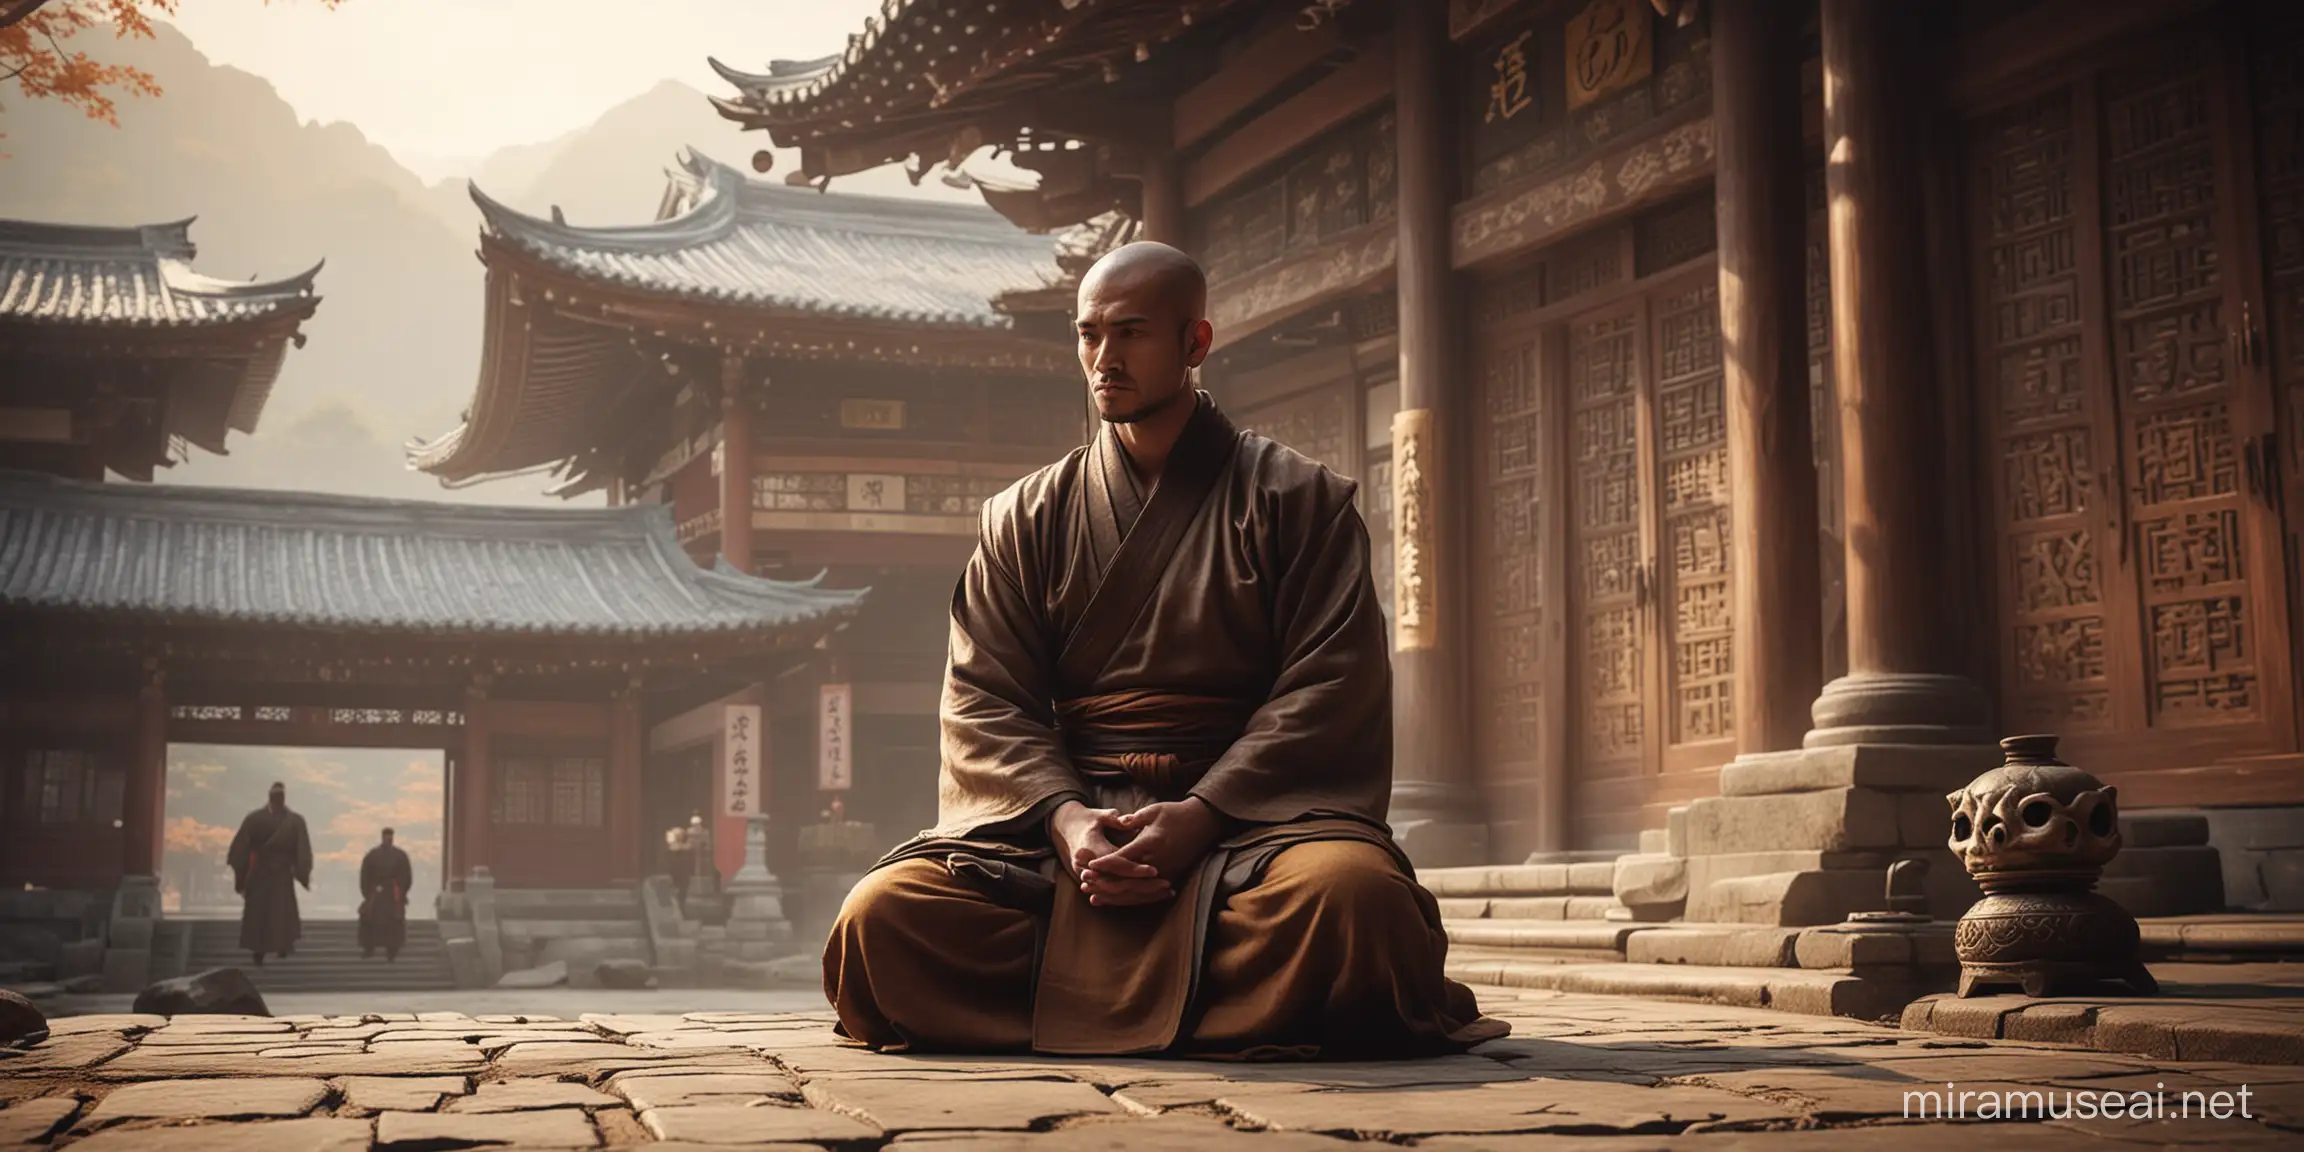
[270, 856]
[384, 882]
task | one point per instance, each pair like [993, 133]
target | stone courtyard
[1605, 1072]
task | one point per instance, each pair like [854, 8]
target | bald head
[1156, 269]
[1143, 321]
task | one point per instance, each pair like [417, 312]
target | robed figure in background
[385, 878]
[270, 856]
[1167, 752]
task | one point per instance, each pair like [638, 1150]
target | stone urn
[2035, 834]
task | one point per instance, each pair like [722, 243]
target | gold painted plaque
[874, 415]
[1609, 46]
[1415, 608]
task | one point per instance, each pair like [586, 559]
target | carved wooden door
[1515, 617]
[2142, 612]
[1610, 543]
[1692, 603]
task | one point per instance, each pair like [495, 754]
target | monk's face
[278, 799]
[1140, 337]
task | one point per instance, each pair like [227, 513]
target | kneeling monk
[1167, 752]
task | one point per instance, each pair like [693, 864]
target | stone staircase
[326, 959]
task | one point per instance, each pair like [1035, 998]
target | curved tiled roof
[232, 556]
[139, 276]
[749, 243]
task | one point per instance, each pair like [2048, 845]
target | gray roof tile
[301, 559]
[139, 276]
[745, 242]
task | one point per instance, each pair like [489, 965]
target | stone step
[1582, 878]
[1527, 907]
[327, 958]
[1805, 991]
[2242, 935]
[1586, 939]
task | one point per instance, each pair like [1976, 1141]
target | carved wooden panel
[2140, 560]
[2162, 233]
[2278, 75]
[2056, 676]
[1327, 187]
[1509, 615]
[1515, 131]
[1691, 453]
[1610, 636]
[1674, 234]
[1312, 423]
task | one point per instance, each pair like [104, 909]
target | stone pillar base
[1438, 825]
[1900, 708]
[1805, 837]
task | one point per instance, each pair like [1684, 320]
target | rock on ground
[542, 976]
[624, 974]
[216, 992]
[20, 1022]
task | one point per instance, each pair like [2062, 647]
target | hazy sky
[443, 80]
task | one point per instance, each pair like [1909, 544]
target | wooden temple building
[1768, 384]
[116, 356]
[807, 385]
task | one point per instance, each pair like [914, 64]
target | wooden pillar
[144, 799]
[1877, 96]
[1764, 355]
[474, 779]
[1434, 809]
[1163, 197]
[735, 464]
[624, 752]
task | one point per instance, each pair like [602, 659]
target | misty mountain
[612, 172]
[393, 348]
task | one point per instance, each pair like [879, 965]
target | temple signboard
[832, 743]
[740, 745]
[1609, 46]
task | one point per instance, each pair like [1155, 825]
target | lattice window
[69, 786]
[559, 791]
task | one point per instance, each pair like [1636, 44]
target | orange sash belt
[1159, 742]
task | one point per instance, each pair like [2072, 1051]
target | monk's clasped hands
[1160, 843]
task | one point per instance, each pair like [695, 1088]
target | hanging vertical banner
[741, 741]
[832, 738]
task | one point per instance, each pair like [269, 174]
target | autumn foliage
[34, 54]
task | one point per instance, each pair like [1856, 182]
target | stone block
[1925, 768]
[542, 976]
[1589, 907]
[1591, 878]
[1655, 881]
[549, 1128]
[127, 969]
[2163, 830]
[1830, 947]
[1838, 819]
[20, 1021]
[1528, 908]
[1676, 831]
[1462, 907]
[215, 992]
[1789, 898]
[79, 958]
[1655, 842]
[464, 961]
[2256, 828]
[210, 1100]
[2175, 881]
[1713, 946]
[1923, 820]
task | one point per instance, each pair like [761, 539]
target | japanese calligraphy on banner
[1609, 46]
[832, 734]
[741, 742]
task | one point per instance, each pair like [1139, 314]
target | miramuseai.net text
[1957, 1103]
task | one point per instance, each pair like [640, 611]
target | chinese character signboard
[1609, 46]
[875, 493]
[874, 415]
[743, 793]
[832, 733]
[1508, 90]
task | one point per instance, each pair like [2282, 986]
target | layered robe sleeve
[403, 876]
[1321, 742]
[298, 849]
[241, 856]
[1004, 766]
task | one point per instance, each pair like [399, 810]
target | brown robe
[269, 856]
[1219, 637]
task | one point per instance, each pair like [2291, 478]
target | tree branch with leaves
[33, 34]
